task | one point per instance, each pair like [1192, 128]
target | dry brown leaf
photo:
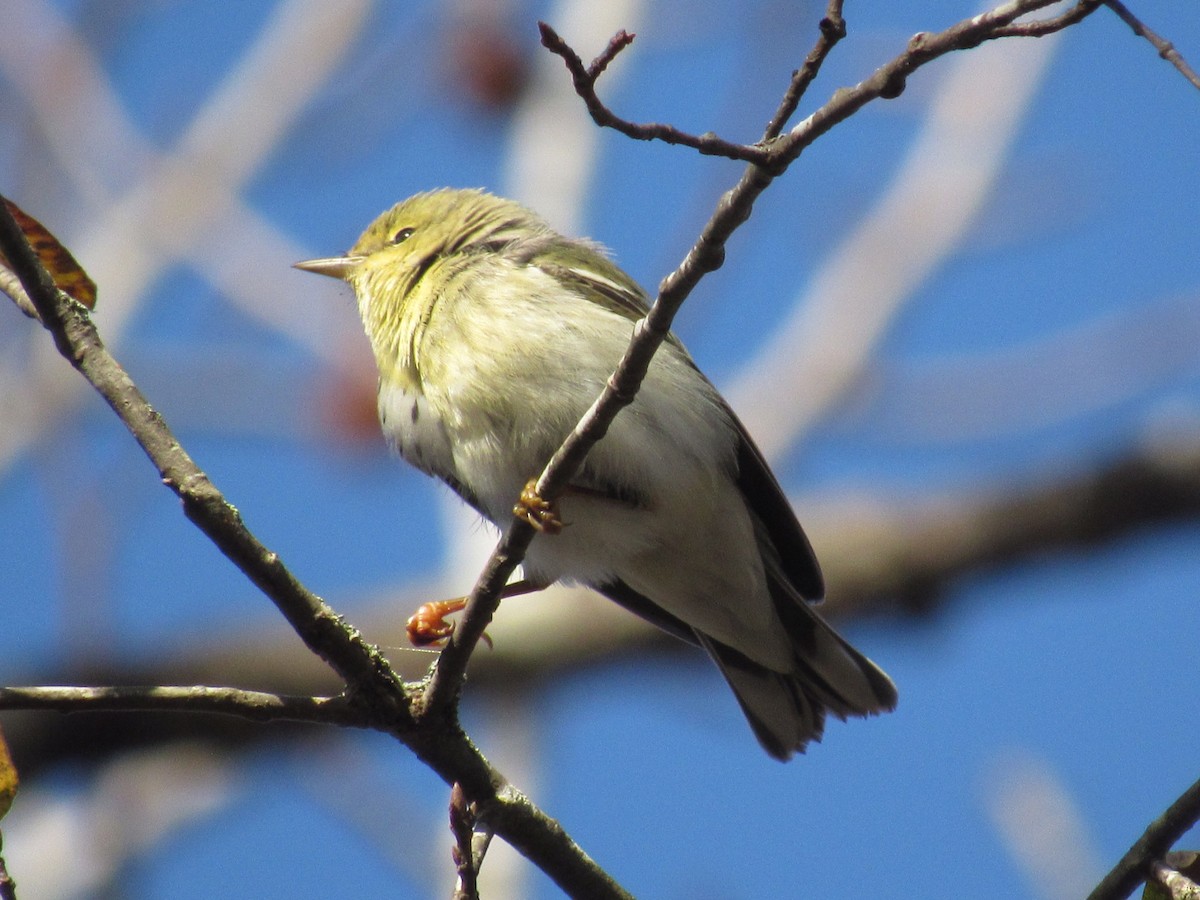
[62, 266]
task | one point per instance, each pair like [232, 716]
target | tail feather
[782, 715]
[786, 710]
[848, 682]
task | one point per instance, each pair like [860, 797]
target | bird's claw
[540, 513]
[427, 627]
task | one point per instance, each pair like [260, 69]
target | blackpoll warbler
[493, 334]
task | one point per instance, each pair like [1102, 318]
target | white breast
[414, 430]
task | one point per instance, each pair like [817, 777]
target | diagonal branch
[833, 29]
[1043, 27]
[1164, 831]
[374, 687]
[889, 80]
[1164, 47]
[362, 667]
[706, 255]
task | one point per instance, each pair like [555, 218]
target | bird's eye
[402, 235]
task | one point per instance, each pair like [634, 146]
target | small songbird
[493, 335]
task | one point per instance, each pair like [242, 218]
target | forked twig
[584, 78]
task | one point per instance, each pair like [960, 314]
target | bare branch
[912, 553]
[462, 826]
[77, 339]
[1164, 831]
[706, 255]
[1164, 47]
[833, 29]
[888, 82]
[619, 42]
[890, 79]
[1043, 27]
[257, 706]
[585, 78]
[383, 696]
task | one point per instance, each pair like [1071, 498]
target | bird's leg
[541, 514]
[427, 627]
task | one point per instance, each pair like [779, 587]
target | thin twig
[383, 697]
[462, 826]
[449, 670]
[889, 80]
[258, 706]
[706, 255]
[584, 78]
[833, 29]
[619, 42]
[362, 667]
[1133, 868]
[1164, 47]
[1043, 27]
[887, 83]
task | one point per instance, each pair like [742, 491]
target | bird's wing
[640, 605]
[584, 267]
[592, 274]
[767, 501]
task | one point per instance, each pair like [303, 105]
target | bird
[493, 334]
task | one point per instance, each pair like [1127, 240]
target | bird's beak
[334, 266]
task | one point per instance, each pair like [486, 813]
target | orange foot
[541, 514]
[427, 627]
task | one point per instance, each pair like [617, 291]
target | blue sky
[1054, 332]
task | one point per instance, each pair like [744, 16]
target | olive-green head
[410, 254]
[449, 242]
[402, 244]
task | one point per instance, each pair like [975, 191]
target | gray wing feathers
[787, 709]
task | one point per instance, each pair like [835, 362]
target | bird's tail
[787, 709]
